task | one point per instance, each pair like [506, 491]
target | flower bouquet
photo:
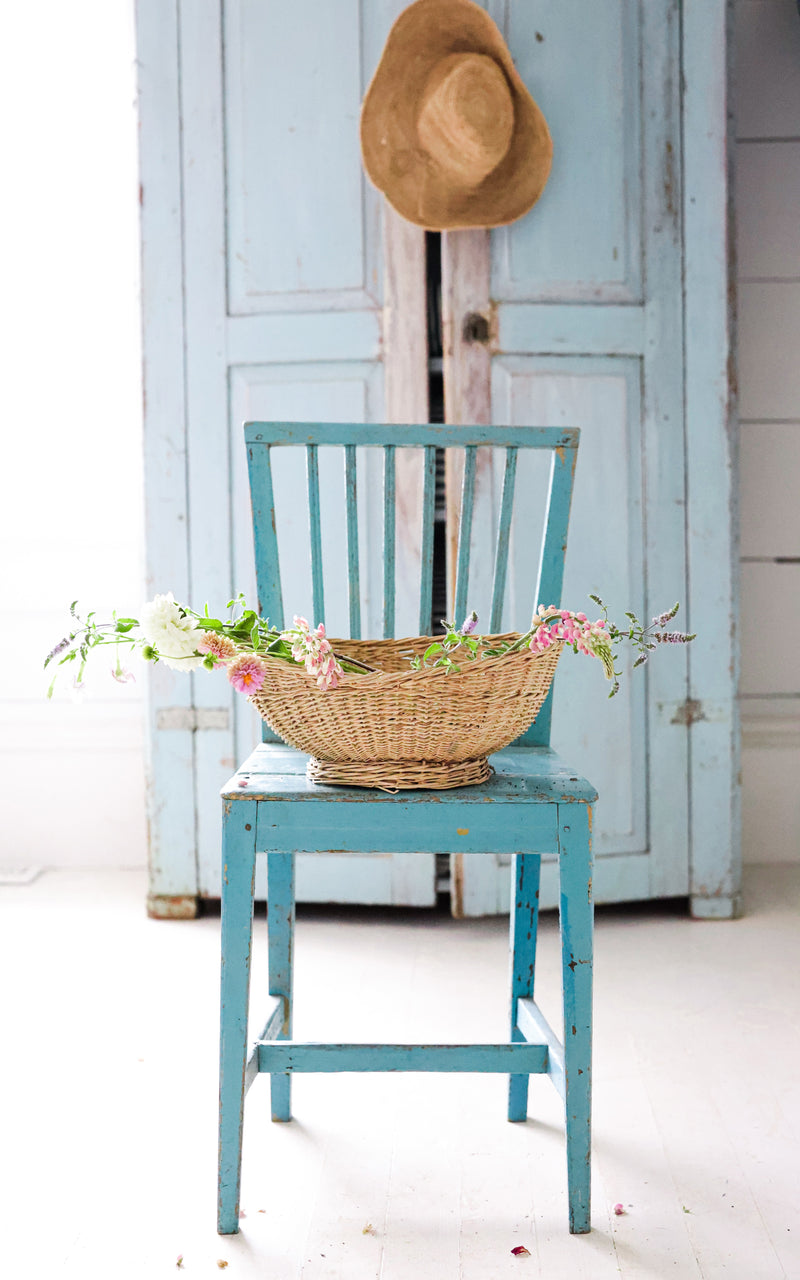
[417, 712]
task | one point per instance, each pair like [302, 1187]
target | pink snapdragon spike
[247, 673]
[313, 649]
[591, 638]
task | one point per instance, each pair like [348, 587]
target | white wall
[767, 105]
[71, 775]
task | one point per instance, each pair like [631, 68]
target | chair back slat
[426, 550]
[465, 533]
[496, 543]
[550, 577]
[389, 512]
[268, 572]
[503, 537]
[315, 534]
[551, 570]
[351, 500]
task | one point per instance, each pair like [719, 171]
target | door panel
[586, 297]
[605, 553]
[582, 242]
[293, 95]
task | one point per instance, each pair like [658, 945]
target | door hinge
[689, 712]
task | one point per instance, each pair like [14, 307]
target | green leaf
[126, 624]
[436, 647]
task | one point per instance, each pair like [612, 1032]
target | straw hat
[449, 133]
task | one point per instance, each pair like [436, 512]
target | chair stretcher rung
[535, 1028]
[272, 1029]
[287, 1055]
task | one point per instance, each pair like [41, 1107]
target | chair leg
[280, 926]
[524, 919]
[576, 916]
[238, 874]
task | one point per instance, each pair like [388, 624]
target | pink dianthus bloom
[220, 647]
[247, 673]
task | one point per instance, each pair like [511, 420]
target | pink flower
[220, 647]
[313, 650]
[122, 675]
[619, 1209]
[247, 673]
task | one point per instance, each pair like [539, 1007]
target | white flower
[172, 634]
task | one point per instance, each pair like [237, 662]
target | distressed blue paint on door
[263, 274]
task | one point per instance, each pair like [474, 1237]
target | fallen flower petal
[369, 1230]
[221, 1263]
[520, 1251]
[619, 1209]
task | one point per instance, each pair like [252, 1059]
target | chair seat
[294, 815]
[529, 774]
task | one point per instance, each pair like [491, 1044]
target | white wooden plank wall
[766, 102]
[70, 409]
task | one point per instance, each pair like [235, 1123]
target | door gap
[433, 274]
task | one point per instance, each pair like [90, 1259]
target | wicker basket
[396, 728]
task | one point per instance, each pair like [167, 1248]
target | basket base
[399, 775]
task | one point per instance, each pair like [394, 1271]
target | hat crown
[466, 117]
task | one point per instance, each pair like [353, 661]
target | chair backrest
[561, 443]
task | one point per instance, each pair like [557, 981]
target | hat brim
[393, 157]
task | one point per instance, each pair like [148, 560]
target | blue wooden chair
[536, 806]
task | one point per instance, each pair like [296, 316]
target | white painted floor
[108, 1098]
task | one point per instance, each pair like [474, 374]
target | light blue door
[282, 266]
[265, 252]
[586, 300]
